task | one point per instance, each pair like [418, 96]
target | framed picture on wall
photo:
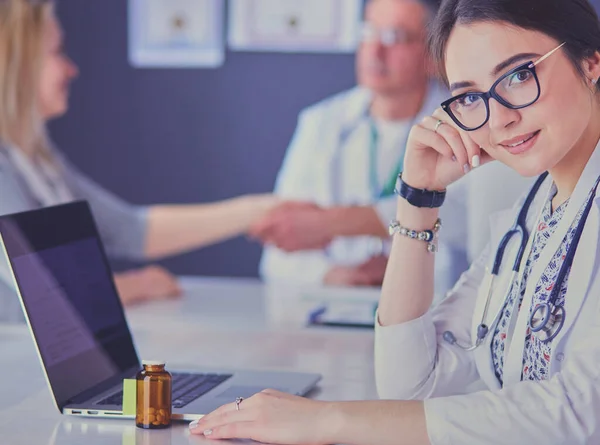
[294, 26]
[176, 33]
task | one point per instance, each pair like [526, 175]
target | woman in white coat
[523, 76]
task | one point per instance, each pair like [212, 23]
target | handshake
[294, 226]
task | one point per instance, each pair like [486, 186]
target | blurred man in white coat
[345, 156]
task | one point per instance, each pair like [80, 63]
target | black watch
[419, 197]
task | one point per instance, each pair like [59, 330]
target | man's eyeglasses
[386, 36]
[516, 89]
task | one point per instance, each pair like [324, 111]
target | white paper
[176, 33]
[294, 26]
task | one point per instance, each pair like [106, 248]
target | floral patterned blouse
[536, 355]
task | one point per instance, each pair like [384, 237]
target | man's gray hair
[432, 6]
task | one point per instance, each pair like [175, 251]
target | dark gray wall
[188, 135]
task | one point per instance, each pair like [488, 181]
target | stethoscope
[548, 318]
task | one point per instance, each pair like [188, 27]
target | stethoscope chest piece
[546, 321]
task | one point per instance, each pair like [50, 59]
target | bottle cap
[153, 362]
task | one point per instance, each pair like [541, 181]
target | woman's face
[57, 72]
[552, 125]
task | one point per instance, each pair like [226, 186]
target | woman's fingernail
[466, 168]
[207, 432]
[475, 161]
[193, 424]
[454, 159]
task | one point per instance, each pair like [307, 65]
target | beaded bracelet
[426, 235]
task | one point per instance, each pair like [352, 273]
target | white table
[228, 323]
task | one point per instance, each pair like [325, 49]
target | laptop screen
[71, 302]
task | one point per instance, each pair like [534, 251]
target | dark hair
[572, 21]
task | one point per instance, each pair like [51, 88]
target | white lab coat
[414, 362]
[309, 172]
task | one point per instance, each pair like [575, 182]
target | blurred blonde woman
[35, 75]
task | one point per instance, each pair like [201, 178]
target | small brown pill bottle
[153, 396]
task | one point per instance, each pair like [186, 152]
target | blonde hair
[22, 26]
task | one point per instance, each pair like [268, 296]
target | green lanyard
[390, 184]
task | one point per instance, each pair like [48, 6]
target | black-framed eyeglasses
[516, 89]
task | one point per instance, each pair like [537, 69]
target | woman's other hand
[271, 417]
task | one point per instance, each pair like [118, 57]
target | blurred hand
[294, 226]
[369, 273]
[147, 284]
[257, 206]
[375, 269]
[346, 276]
[270, 417]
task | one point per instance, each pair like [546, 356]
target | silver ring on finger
[438, 124]
[238, 402]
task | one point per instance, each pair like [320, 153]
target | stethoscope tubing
[547, 319]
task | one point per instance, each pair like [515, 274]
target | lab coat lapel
[355, 113]
[356, 110]
[502, 222]
[580, 276]
[499, 224]
[586, 254]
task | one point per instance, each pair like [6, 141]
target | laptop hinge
[101, 387]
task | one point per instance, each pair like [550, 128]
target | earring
[594, 81]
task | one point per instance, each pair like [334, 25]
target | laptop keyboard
[186, 388]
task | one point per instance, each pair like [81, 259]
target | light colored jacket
[414, 362]
[122, 226]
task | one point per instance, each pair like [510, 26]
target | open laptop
[66, 289]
